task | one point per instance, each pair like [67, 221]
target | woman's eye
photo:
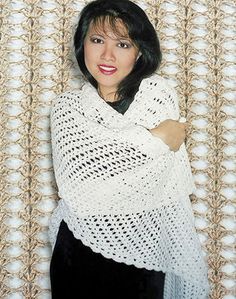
[97, 40]
[124, 45]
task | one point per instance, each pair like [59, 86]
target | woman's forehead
[109, 26]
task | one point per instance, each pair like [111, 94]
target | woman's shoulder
[76, 95]
[68, 98]
[156, 83]
[159, 86]
[158, 90]
[64, 102]
[66, 95]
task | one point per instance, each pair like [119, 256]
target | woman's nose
[108, 53]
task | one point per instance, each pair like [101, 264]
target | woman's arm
[169, 126]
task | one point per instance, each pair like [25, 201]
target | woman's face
[109, 58]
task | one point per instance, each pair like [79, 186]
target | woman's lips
[107, 69]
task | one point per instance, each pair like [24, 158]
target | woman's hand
[172, 132]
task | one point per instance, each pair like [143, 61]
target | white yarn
[123, 192]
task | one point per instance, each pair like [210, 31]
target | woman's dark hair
[140, 31]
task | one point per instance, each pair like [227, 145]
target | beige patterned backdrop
[198, 39]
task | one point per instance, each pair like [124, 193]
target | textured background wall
[198, 39]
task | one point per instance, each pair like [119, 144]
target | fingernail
[182, 120]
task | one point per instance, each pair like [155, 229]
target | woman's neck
[107, 95]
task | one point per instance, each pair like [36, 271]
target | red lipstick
[107, 69]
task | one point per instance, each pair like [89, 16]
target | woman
[123, 227]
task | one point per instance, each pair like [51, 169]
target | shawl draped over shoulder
[122, 191]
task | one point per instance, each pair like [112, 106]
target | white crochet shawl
[123, 192]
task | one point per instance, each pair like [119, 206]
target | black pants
[77, 272]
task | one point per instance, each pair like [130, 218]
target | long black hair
[140, 31]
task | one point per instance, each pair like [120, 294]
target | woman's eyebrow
[97, 34]
[126, 38]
